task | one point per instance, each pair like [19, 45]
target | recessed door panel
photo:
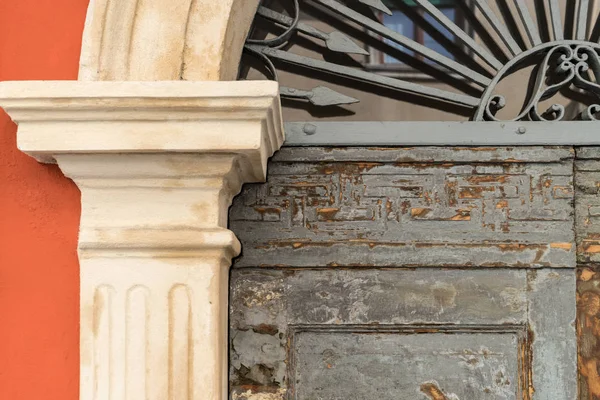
[333, 365]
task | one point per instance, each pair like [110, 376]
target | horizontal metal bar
[417, 133]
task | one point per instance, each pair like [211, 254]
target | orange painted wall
[39, 216]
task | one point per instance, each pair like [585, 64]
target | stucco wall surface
[39, 216]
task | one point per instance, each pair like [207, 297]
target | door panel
[343, 364]
[427, 273]
[391, 332]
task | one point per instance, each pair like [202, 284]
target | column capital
[157, 162]
[76, 117]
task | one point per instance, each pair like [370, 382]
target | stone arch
[149, 40]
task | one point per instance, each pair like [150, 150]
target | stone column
[157, 164]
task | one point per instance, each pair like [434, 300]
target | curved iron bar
[565, 62]
[266, 61]
[286, 35]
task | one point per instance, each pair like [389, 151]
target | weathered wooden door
[397, 273]
[447, 270]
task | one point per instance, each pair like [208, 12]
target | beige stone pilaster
[158, 164]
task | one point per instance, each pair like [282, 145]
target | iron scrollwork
[576, 64]
[471, 72]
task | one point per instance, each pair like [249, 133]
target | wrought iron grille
[473, 47]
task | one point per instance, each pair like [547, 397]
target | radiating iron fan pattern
[557, 42]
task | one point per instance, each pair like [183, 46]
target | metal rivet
[521, 130]
[310, 129]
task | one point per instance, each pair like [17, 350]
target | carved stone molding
[158, 164]
[146, 40]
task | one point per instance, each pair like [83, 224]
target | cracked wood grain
[432, 390]
[426, 207]
[304, 317]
